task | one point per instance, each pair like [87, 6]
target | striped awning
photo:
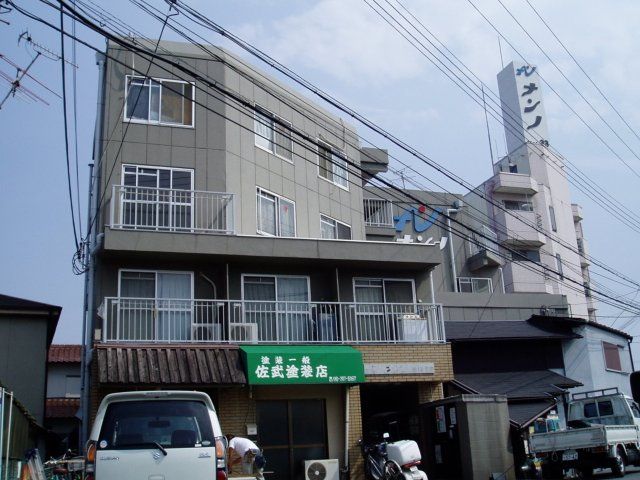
[169, 365]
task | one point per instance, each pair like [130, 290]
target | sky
[345, 48]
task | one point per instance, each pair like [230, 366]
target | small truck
[603, 432]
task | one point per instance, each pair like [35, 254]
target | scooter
[392, 461]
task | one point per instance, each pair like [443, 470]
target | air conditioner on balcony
[412, 326]
[243, 332]
[206, 332]
[322, 469]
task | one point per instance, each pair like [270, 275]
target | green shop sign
[298, 365]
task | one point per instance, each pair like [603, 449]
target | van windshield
[170, 423]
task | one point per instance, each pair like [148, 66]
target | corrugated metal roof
[169, 365]
[533, 384]
[65, 354]
[61, 407]
[500, 330]
[552, 321]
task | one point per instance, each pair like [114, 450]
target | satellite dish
[316, 471]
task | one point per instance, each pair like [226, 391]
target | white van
[156, 435]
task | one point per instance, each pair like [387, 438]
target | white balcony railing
[238, 321]
[173, 210]
[378, 213]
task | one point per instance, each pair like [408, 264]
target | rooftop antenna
[486, 119]
[500, 48]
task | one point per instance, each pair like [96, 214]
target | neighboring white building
[530, 182]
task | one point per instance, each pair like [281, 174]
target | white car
[156, 435]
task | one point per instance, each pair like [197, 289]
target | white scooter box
[403, 452]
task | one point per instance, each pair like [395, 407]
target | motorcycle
[392, 460]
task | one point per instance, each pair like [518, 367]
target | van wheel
[619, 464]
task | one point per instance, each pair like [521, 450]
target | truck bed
[599, 435]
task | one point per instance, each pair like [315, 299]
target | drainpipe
[452, 256]
[433, 293]
[346, 428]
[213, 285]
[501, 278]
[93, 244]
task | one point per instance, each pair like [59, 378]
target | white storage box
[403, 452]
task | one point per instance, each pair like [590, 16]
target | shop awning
[169, 365]
[304, 364]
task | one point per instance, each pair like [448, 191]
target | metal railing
[244, 321]
[173, 210]
[378, 213]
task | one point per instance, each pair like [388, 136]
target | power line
[247, 105]
[583, 70]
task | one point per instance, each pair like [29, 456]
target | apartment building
[231, 256]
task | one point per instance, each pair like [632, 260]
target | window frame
[604, 356]
[278, 198]
[159, 122]
[519, 203]
[382, 280]
[336, 222]
[470, 280]
[552, 218]
[272, 128]
[275, 278]
[327, 146]
[155, 272]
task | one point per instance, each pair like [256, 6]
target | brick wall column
[429, 391]
[356, 464]
[235, 410]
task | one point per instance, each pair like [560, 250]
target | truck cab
[602, 407]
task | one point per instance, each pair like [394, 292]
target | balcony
[171, 210]
[241, 321]
[505, 182]
[583, 250]
[576, 210]
[483, 250]
[378, 213]
[520, 228]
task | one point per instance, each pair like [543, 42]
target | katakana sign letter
[536, 123]
[525, 69]
[529, 89]
[532, 107]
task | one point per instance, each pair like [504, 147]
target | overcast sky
[348, 50]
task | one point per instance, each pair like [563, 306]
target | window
[278, 306]
[590, 410]
[272, 135]
[276, 215]
[162, 102]
[552, 218]
[526, 256]
[171, 423]
[330, 228]
[72, 386]
[601, 408]
[612, 356]
[518, 205]
[475, 285]
[156, 198]
[559, 266]
[634, 408]
[332, 166]
[153, 306]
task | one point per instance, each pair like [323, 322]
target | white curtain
[287, 218]
[264, 131]
[174, 315]
[266, 213]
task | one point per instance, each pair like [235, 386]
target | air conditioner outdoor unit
[328, 469]
[243, 332]
[206, 332]
[413, 327]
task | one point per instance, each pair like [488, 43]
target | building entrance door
[290, 432]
